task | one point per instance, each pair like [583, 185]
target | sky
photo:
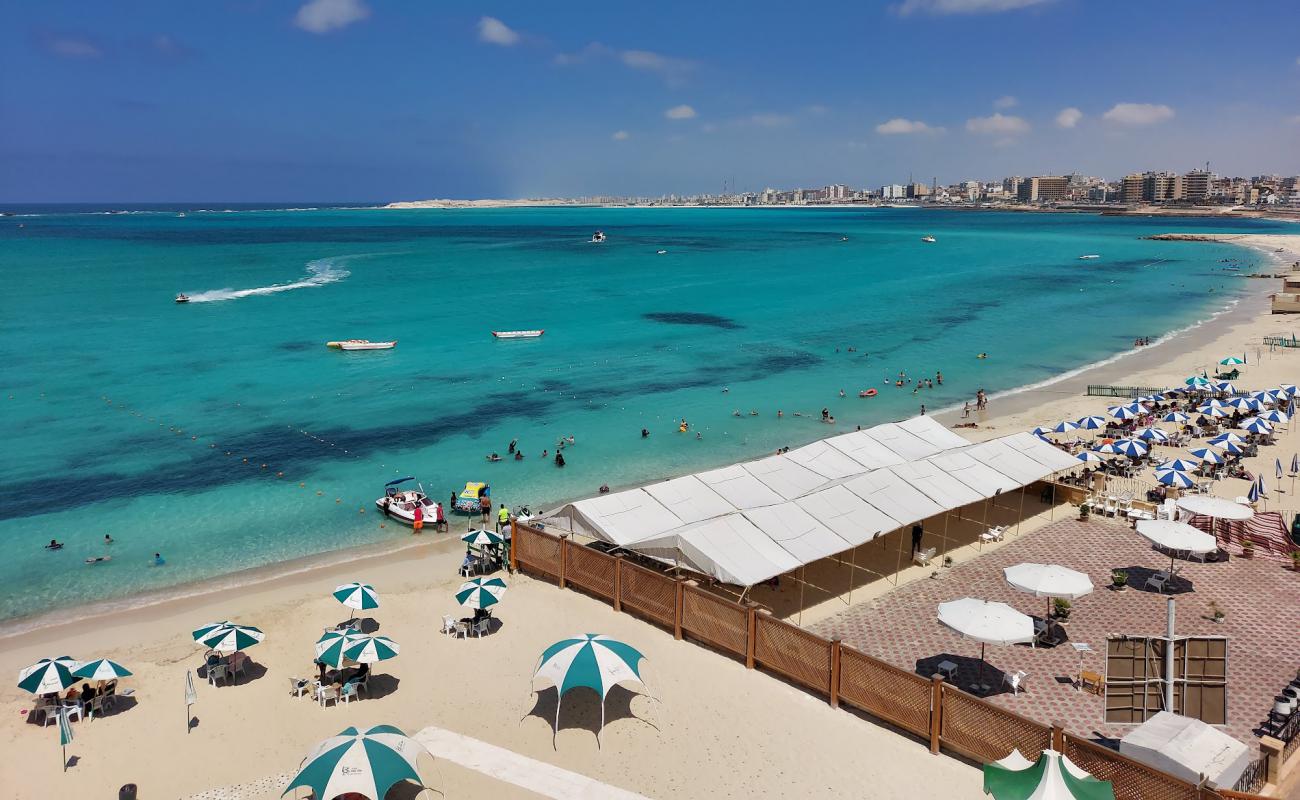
[378, 100]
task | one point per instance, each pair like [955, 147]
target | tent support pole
[1021, 518]
[803, 571]
[899, 564]
[853, 573]
[945, 534]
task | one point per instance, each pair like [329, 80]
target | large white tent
[750, 522]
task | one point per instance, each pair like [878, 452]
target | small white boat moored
[598, 237]
[361, 344]
[401, 504]
[928, 239]
[517, 334]
[1085, 258]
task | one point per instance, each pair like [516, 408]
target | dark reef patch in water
[693, 318]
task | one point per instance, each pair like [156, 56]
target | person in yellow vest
[503, 517]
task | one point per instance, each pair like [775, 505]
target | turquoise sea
[127, 414]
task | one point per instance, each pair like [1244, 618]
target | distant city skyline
[358, 100]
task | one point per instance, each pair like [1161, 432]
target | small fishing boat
[361, 344]
[598, 237]
[660, 252]
[928, 239]
[517, 334]
[400, 504]
[182, 298]
[1089, 256]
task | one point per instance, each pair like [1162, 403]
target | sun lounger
[993, 534]
[922, 557]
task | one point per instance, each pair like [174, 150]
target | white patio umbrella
[1048, 580]
[1216, 507]
[986, 622]
[1176, 536]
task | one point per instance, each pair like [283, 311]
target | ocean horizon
[223, 434]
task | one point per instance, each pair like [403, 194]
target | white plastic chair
[1014, 679]
[73, 707]
[993, 534]
[348, 693]
[326, 694]
[449, 625]
[298, 686]
[481, 627]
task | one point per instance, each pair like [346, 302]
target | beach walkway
[1261, 598]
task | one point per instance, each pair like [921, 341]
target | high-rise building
[1196, 185]
[1130, 189]
[894, 191]
[917, 190]
[1042, 189]
[1011, 185]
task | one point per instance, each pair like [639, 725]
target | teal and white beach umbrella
[482, 538]
[360, 596]
[329, 648]
[48, 675]
[480, 592]
[101, 669]
[367, 649]
[1231, 361]
[1052, 777]
[1197, 381]
[227, 637]
[588, 660]
[368, 763]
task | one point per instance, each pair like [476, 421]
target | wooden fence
[938, 712]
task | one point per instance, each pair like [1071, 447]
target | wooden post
[751, 636]
[514, 545]
[618, 582]
[936, 710]
[1058, 736]
[564, 557]
[678, 582]
[835, 673]
[1021, 517]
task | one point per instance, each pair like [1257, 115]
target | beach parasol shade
[1088, 457]
[1275, 416]
[1065, 427]
[1052, 777]
[368, 649]
[1172, 477]
[1287, 389]
[590, 660]
[1253, 494]
[1180, 464]
[480, 592]
[329, 648]
[1213, 402]
[1197, 381]
[1262, 486]
[481, 538]
[1153, 435]
[101, 669]
[987, 622]
[1130, 447]
[227, 637]
[1215, 411]
[1256, 425]
[1229, 447]
[360, 596]
[1295, 464]
[1232, 361]
[1228, 436]
[1048, 580]
[1175, 416]
[1041, 432]
[1207, 455]
[1124, 412]
[1175, 536]
[1217, 507]
[1242, 404]
[368, 763]
[1277, 468]
[48, 675]
[1225, 387]
[1092, 423]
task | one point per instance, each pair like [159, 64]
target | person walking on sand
[965, 410]
[485, 506]
[417, 524]
[439, 518]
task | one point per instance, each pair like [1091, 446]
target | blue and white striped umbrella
[1229, 447]
[1256, 425]
[1295, 463]
[1263, 487]
[1041, 431]
[1175, 416]
[1092, 423]
[1268, 396]
[1225, 387]
[1089, 457]
[1125, 412]
[1244, 404]
[1213, 402]
[1179, 464]
[1153, 435]
[1228, 436]
[1215, 411]
[1276, 416]
[1253, 494]
[360, 596]
[1207, 455]
[1172, 477]
[1151, 398]
[1130, 447]
[1065, 427]
[1287, 389]
[1277, 472]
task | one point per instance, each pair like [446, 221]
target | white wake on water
[320, 272]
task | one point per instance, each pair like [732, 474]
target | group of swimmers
[55, 544]
[518, 454]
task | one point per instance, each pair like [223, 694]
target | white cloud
[494, 31]
[1005, 101]
[72, 47]
[942, 7]
[768, 120]
[323, 16]
[621, 136]
[680, 112]
[1138, 113]
[656, 62]
[1068, 117]
[997, 124]
[899, 126]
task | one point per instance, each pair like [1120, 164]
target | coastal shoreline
[1010, 404]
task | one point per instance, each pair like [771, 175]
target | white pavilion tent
[750, 522]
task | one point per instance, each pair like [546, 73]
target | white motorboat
[182, 298]
[660, 252]
[517, 334]
[1087, 257]
[361, 344]
[400, 504]
[598, 237]
[928, 239]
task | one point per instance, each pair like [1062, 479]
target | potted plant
[1217, 614]
[1084, 509]
[1061, 609]
[947, 561]
[1295, 560]
[1247, 548]
[1118, 579]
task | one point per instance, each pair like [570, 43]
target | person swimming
[54, 544]
[108, 539]
[645, 432]
[158, 560]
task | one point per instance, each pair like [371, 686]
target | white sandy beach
[712, 729]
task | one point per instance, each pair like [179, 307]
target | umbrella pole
[555, 732]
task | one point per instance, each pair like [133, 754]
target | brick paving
[1260, 597]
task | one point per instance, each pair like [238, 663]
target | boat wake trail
[320, 272]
